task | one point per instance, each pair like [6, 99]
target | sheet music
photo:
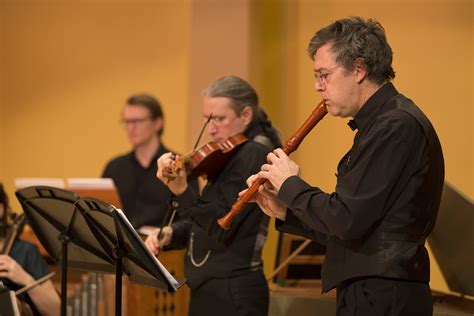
[90, 183]
[21, 183]
[168, 275]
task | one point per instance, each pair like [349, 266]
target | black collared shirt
[144, 197]
[232, 252]
[388, 187]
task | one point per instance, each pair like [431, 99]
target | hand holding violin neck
[170, 173]
[207, 160]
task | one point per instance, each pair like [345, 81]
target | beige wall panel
[219, 47]
[70, 68]
[2, 79]
[268, 70]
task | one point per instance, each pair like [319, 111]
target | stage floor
[310, 302]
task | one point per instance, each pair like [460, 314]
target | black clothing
[232, 251]
[387, 196]
[216, 254]
[29, 258]
[144, 197]
[380, 296]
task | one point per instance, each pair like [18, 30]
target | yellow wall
[2, 75]
[70, 68]
[71, 64]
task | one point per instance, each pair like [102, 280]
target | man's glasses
[136, 121]
[215, 119]
[322, 76]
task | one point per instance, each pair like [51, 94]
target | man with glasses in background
[144, 197]
[388, 187]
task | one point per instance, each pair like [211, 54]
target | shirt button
[175, 204]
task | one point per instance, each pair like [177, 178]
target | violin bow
[171, 207]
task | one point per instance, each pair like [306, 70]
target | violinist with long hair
[223, 268]
[22, 266]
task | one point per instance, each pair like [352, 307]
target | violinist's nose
[211, 129]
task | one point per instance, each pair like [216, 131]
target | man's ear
[360, 69]
[247, 115]
[158, 122]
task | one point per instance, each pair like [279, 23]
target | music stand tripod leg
[64, 246]
[119, 254]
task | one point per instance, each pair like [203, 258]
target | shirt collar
[160, 151]
[371, 106]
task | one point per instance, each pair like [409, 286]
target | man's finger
[280, 153]
[242, 192]
[266, 167]
[263, 174]
[251, 180]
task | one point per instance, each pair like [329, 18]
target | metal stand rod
[64, 242]
[118, 287]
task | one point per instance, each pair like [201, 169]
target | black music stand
[52, 215]
[58, 218]
[121, 242]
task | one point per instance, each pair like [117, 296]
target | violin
[209, 159]
[14, 230]
[290, 146]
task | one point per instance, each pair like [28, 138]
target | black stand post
[64, 241]
[119, 254]
[118, 288]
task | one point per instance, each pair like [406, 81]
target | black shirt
[387, 195]
[218, 253]
[144, 197]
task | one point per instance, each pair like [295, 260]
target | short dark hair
[149, 102]
[353, 38]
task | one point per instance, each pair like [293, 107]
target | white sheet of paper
[90, 183]
[168, 275]
[21, 183]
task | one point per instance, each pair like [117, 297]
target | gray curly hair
[355, 38]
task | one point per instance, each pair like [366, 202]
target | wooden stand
[297, 253]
